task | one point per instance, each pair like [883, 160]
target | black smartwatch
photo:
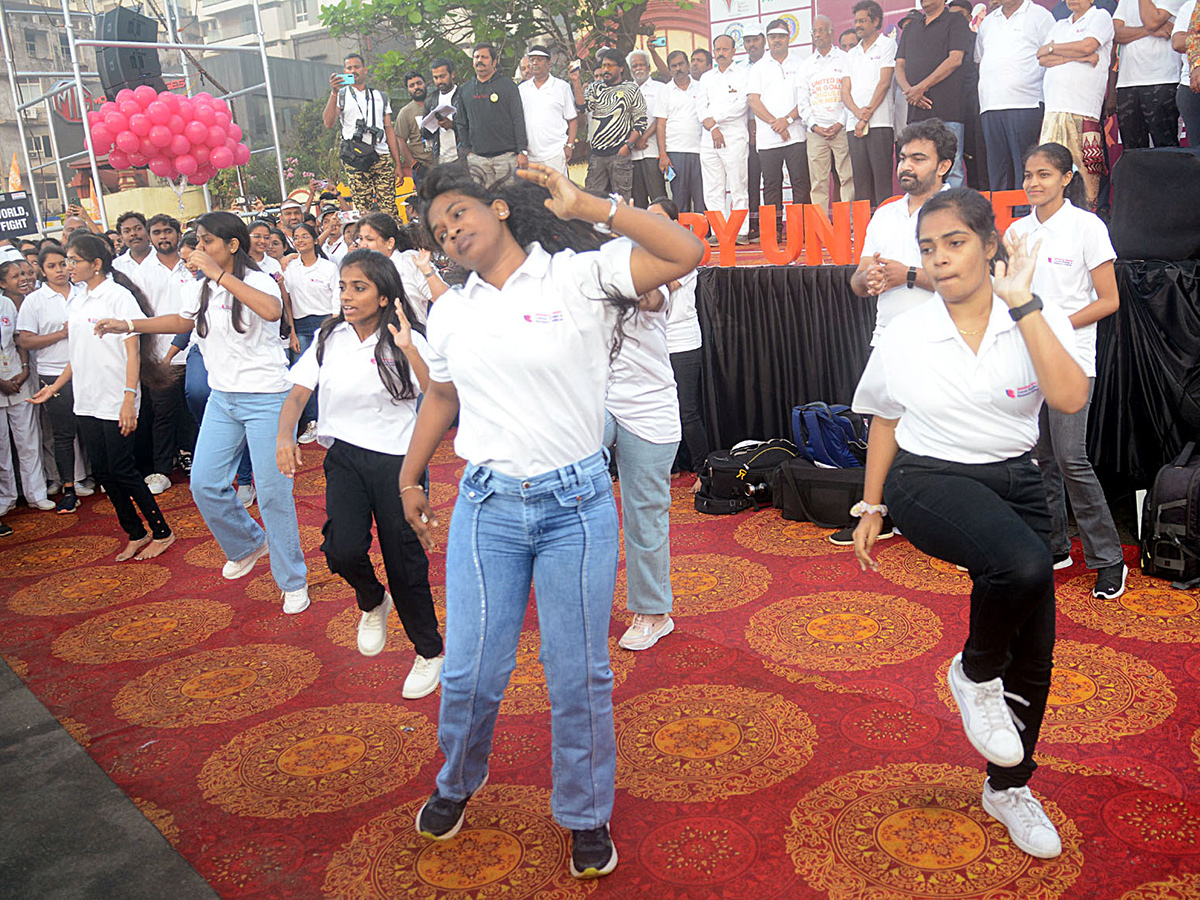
[1020, 312]
[910, 280]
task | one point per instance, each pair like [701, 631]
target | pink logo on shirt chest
[1018, 393]
[1060, 261]
[545, 318]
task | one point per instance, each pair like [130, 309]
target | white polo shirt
[678, 107]
[1148, 60]
[45, 311]
[651, 91]
[98, 361]
[1078, 87]
[864, 66]
[1074, 242]
[723, 97]
[683, 322]
[10, 357]
[165, 289]
[954, 404]
[530, 360]
[1006, 47]
[892, 233]
[642, 396]
[352, 403]
[313, 289]
[370, 106]
[416, 285]
[250, 362]
[130, 267]
[775, 83]
[1183, 22]
[548, 110]
[819, 89]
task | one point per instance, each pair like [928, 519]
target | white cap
[780, 29]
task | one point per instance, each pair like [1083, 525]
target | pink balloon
[220, 105]
[140, 124]
[129, 108]
[116, 122]
[94, 117]
[171, 100]
[185, 109]
[118, 159]
[201, 153]
[223, 118]
[221, 158]
[176, 124]
[147, 148]
[204, 96]
[198, 178]
[145, 95]
[204, 113]
[241, 155]
[124, 94]
[186, 164]
[160, 166]
[128, 141]
[179, 145]
[137, 160]
[234, 131]
[195, 132]
[101, 137]
[216, 137]
[159, 113]
[160, 136]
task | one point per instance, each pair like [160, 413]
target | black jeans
[686, 365]
[754, 183]
[61, 410]
[113, 466]
[795, 156]
[648, 183]
[993, 519]
[1148, 112]
[360, 483]
[170, 427]
[873, 160]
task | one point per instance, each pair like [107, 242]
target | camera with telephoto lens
[361, 131]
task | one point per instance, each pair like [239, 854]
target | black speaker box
[124, 67]
[1156, 204]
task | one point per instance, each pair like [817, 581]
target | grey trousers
[1062, 458]
[489, 170]
[609, 174]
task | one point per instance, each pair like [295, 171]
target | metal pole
[16, 97]
[147, 45]
[62, 182]
[87, 132]
[246, 90]
[262, 49]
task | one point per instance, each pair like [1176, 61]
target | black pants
[993, 519]
[358, 484]
[113, 466]
[754, 184]
[694, 448]
[648, 184]
[1148, 112]
[170, 428]
[61, 410]
[872, 158]
[795, 157]
[687, 190]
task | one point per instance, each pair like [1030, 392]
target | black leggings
[61, 410]
[993, 519]
[113, 466]
[686, 366]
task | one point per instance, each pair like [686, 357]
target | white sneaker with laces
[309, 435]
[372, 628]
[85, 487]
[235, 569]
[987, 720]
[422, 679]
[45, 504]
[645, 631]
[53, 488]
[157, 482]
[295, 601]
[246, 495]
[1028, 825]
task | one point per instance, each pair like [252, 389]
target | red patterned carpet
[793, 738]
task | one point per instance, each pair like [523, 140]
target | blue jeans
[306, 330]
[957, 176]
[196, 390]
[233, 421]
[557, 530]
[1008, 133]
[645, 472]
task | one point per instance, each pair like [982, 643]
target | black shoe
[1110, 582]
[5, 530]
[68, 502]
[441, 819]
[593, 854]
[844, 537]
[185, 462]
[1062, 561]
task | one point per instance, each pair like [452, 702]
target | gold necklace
[972, 333]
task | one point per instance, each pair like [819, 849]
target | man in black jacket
[491, 120]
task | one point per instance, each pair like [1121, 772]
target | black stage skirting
[779, 336]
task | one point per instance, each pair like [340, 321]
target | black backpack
[1171, 522]
[733, 480]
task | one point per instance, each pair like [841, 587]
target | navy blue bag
[833, 436]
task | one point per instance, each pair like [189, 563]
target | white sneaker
[295, 601]
[53, 487]
[645, 631]
[235, 569]
[310, 434]
[158, 483]
[1027, 823]
[987, 719]
[423, 678]
[247, 494]
[372, 628]
[7, 508]
[45, 504]
[85, 487]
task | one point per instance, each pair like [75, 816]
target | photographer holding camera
[368, 138]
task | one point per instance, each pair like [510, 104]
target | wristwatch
[790, 120]
[1020, 312]
[910, 280]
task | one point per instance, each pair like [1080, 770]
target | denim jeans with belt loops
[557, 530]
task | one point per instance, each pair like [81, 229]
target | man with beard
[550, 116]
[648, 181]
[408, 126]
[618, 112]
[491, 121]
[132, 228]
[163, 278]
[443, 140]
[721, 109]
[291, 214]
[755, 42]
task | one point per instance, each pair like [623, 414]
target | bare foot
[156, 548]
[696, 486]
[132, 548]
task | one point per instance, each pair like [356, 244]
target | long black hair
[94, 248]
[1060, 157]
[528, 221]
[975, 211]
[226, 227]
[386, 227]
[393, 366]
[311, 232]
[288, 249]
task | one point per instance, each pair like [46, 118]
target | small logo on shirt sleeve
[1017, 393]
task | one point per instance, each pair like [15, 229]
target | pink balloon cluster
[169, 134]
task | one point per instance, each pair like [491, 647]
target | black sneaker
[1110, 582]
[844, 537]
[5, 530]
[1062, 561]
[68, 502]
[185, 462]
[593, 853]
[441, 819]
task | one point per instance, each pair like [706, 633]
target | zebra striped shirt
[615, 111]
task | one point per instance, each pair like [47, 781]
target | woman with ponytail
[1075, 273]
[108, 390]
[367, 366]
[422, 285]
[235, 310]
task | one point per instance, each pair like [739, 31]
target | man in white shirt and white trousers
[550, 115]
[725, 143]
[819, 102]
